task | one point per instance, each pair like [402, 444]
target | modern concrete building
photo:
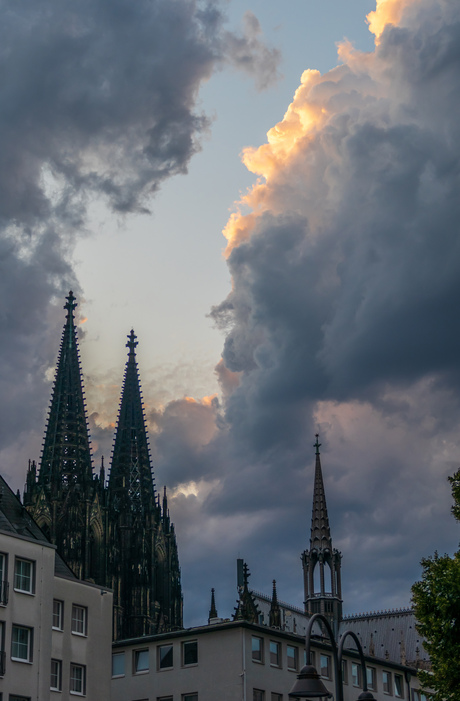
[55, 630]
[242, 661]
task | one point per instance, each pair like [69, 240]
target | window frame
[400, 679]
[372, 682]
[359, 675]
[60, 615]
[276, 655]
[327, 666]
[84, 620]
[3, 579]
[19, 576]
[74, 666]
[257, 655]
[344, 671]
[160, 662]
[137, 657]
[120, 655]
[58, 674]
[258, 694]
[30, 643]
[186, 643]
[387, 686]
[295, 657]
[190, 695]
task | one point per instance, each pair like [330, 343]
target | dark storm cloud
[97, 101]
[342, 318]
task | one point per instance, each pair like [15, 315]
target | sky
[268, 194]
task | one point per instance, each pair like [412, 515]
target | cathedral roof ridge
[379, 613]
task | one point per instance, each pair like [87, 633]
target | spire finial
[132, 343]
[317, 445]
[70, 304]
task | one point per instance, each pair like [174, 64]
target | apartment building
[55, 630]
[242, 661]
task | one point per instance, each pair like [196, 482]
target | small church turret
[321, 563]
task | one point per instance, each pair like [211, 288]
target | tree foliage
[436, 600]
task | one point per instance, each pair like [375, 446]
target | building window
[165, 656]
[78, 679]
[356, 674]
[258, 695]
[292, 657]
[275, 654]
[371, 678]
[312, 658]
[58, 614]
[325, 664]
[190, 652]
[190, 697]
[257, 649]
[141, 661]
[399, 686]
[3, 579]
[24, 576]
[118, 664]
[417, 695]
[276, 697]
[164, 698]
[386, 679]
[56, 675]
[21, 644]
[344, 672]
[79, 619]
[13, 697]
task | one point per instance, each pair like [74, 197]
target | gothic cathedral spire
[130, 483]
[66, 457]
[143, 562]
[321, 563]
[65, 497]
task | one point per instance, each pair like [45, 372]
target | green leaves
[436, 600]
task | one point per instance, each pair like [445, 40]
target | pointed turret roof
[130, 480]
[66, 456]
[320, 538]
[275, 611]
[213, 609]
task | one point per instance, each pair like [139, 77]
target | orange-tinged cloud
[386, 12]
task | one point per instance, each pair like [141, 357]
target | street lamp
[309, 684]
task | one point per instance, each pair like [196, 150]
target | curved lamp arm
[360, 652]
[337, 665]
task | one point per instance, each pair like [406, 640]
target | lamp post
[309, 684]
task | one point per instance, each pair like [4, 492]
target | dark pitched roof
[389, 635]
[15, 519]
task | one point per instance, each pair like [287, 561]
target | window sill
[80, 635]
[24, 591]
[18, 659]
[192, 664]
[140, 671]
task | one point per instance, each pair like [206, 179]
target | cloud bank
[98, 102]
[345, 265]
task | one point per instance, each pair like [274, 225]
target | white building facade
[55, 630]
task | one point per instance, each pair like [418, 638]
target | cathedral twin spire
[114, 534]
[130, 481]
[66, 457]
